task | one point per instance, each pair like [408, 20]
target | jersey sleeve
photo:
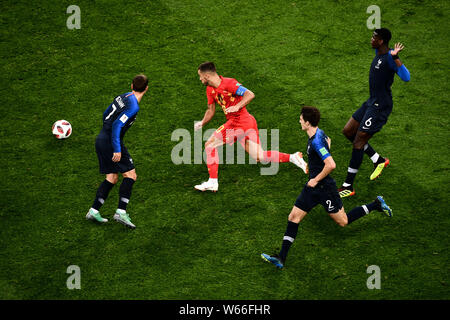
[391, 62]
[321, 147]
[241, 90]
[121, 120]
[401, 71]
[210, 95]
[235, 87]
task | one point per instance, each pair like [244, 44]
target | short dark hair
[140, 82]
[207, 67]
[311, 114]
[384, 34]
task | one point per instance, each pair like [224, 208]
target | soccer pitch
[193, 245]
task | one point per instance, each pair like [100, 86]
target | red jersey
[225, 95]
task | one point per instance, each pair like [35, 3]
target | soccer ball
[62, 129]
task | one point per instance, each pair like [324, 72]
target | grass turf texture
[191, 245]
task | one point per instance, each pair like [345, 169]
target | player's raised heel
[384, 207]
[122, 217]
[95, 216]
[275, 260]
[379, 168]
[207, 186]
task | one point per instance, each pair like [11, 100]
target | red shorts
[239, 129]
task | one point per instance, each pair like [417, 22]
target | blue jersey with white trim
[119, 117]
[317, 150]
[381, 77]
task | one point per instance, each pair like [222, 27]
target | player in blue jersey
[113, 156]
[320, 189]
[374, 113]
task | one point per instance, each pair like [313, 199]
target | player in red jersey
[240, 126]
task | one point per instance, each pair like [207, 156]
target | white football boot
[210, 185]
[297, 159]
[94, 215]
[122, 217]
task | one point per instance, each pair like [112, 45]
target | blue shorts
[104, 151]
[324, 193]
[372, 116]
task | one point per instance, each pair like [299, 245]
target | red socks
[212, 162]
[275, 156]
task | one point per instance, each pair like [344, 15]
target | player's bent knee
[212, 144]
[112, 178]
[358, 144]
[346, 132]
[340, 218]
[295, 216]
[130, 174]
[361, 139]
[350, 132]
[342, 223]
[209, 142]
[258, 158]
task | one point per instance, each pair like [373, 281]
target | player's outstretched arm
[402, 72]
[209, 114]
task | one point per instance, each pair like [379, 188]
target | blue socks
[355, 163]
[102, 193]
[125, 193]
[359, 212]
[288, 239]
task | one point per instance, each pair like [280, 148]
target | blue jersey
[317, 150]
[119, 117]
[381, 77]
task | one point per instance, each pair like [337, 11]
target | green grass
[191, 245]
